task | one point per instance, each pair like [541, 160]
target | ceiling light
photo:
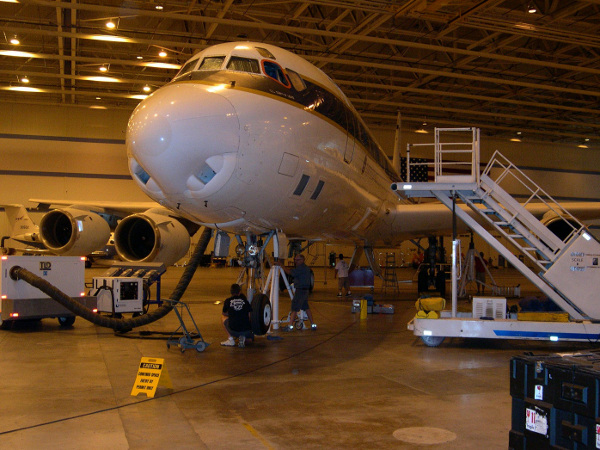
[18, 54]
[98, 107]
[15, 41]
[103, 69]
[157, 65]
[138, 96]
[531, 9]
[162, 54]
[582, 146]
[22, 89]
[110, 24]
[421, 131]
[108, 38]
[25, 80]
[146, 88]
[9, 1]
[102, 79]
[516, 139]
[139, 57]
[98, 98]
[159, 7]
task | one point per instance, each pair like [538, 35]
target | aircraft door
[350, 141]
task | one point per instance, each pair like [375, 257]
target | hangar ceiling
[490, 63]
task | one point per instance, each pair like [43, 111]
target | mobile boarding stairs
[566, 270]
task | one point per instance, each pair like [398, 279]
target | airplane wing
[117, 208]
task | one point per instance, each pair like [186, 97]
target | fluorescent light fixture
[427, 333]
[422, 131]
[138, 96]
[554, 338]
[102, 79]
[108, 38]
[18, 54]
[23, 89]
[98, 107]
[586, 236]
[9, 1]
[582, 146]
[159, 65]
[515, 140]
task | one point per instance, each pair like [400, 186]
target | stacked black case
[555, 401]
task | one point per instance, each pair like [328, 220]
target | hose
[121, 325]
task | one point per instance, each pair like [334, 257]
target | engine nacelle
[560, 226]
[151, 236]
[73, 232]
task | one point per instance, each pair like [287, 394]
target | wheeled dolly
[187, 340]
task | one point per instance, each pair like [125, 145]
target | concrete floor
[349, 384]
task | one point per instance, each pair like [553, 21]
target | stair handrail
[534, 191]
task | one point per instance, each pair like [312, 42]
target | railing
[510, 178]
[454, 160]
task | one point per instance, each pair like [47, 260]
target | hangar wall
[75, 153]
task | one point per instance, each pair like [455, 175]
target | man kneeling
[236, 318]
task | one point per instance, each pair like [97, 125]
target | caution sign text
[151, 373]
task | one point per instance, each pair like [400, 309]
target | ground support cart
[188, 339]
[433, 331]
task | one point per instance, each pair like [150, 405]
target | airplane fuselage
[262, 140]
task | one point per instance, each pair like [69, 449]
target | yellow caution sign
[151, 373]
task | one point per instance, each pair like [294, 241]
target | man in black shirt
[236, 318]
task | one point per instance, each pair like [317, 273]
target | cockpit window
[265, 53]
[274, 70]
[296, 80]
[212, 63]
[243, 64]
[187, 67]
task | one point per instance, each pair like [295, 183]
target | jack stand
[275, 273]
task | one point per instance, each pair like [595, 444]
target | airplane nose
[181, 139]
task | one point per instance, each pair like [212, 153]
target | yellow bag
[430, 304]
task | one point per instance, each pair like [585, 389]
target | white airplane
[251, 139]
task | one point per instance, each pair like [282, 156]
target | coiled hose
[121, 325]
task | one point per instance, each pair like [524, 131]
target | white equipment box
[19, 300]
[119, 294]
[490, 307]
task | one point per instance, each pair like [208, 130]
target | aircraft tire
[422, 281]
[440, 283]
[261, 314]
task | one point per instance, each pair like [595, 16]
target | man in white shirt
[341, 273]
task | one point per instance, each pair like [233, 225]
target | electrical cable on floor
[181, 391]
[122, 325]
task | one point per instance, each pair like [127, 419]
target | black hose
[122, 325]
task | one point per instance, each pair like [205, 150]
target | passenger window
[296, 80]
[274, 70]
[243, 64]
[212, 63]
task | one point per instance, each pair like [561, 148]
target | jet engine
[560, 226]
[73, 232]
[151, 236]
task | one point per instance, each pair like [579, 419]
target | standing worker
[341, 273]
[236, 318]
[302, 278]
